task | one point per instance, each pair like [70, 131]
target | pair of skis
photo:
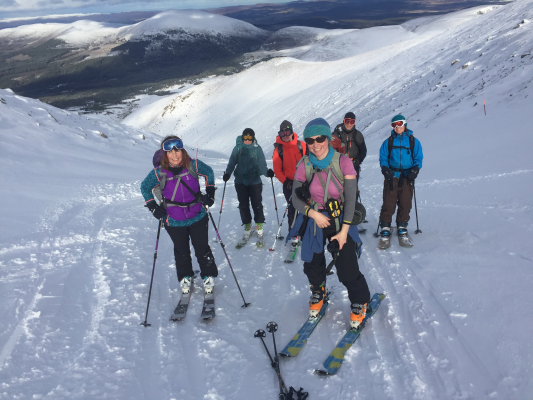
[260, 242]
[336, 358]
[208, 308]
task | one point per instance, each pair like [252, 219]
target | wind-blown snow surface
[456, 322]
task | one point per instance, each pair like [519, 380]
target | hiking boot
[209, 284]
[317, 299]
[186, 285]
[294, 241]
[248, 232]
[358, 314]
[402, 228]
[385, 232]
[259, 230]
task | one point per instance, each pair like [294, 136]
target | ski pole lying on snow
[278, 236]
[145, 324]
[221, 204]
[284, 394]
[226, 254]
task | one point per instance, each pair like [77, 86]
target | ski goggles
[285, 132]
[247, 137]
[398, 123]
[349, 121]
[320, 139]
[172, 144]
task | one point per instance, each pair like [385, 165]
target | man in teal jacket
[400, 158]
[248, 161]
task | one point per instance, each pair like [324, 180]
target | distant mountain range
[88, 63]
[106, 58]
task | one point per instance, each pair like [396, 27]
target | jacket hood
[292, 142]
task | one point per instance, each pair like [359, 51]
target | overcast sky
[33, 8]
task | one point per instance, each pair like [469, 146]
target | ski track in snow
[73, 291]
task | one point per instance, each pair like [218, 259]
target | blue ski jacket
[401, 153]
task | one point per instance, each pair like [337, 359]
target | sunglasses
[173, 144]
[397, 123]
[250, 137]
[320, 139]
[285, 132]
[349, 121]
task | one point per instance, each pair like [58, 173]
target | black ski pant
[247, 194]
[198, 233]
[346, 265]
[291, 211]
[398, 192]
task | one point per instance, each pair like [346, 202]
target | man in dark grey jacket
[349, 141]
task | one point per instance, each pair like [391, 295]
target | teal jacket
[248, 162]
[152, 180]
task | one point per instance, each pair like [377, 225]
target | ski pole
[226, 254]
[333, 248]
[416, 211]
[274, 194]
[359, 197]
[282, 388]
[145, 323]
[273, 327]
[221, 204]
[278, 236]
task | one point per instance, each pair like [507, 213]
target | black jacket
[351, 144]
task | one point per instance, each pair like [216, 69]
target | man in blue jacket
[400, 158]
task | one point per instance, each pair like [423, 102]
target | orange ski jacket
[285, 169]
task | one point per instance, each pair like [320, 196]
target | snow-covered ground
[76, 244]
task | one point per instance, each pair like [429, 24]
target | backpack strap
[171, 202]
[411, 146]
[279, 146]
[332, 169]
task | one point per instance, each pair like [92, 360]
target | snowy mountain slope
[66, 151]
[314, 44]
[455, 323]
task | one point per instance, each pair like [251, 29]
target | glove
[287, 185]
[157, 210]
[387, 173]
[270, 173]
[226, 177]
[413, 173]
[208, 199]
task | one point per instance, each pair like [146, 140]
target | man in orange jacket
[288, 150]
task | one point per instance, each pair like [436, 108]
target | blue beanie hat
[317, 127]
[398, 117]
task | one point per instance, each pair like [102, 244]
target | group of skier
[320, 182]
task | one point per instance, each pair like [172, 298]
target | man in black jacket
[349, 141]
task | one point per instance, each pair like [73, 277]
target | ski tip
[270, 249]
